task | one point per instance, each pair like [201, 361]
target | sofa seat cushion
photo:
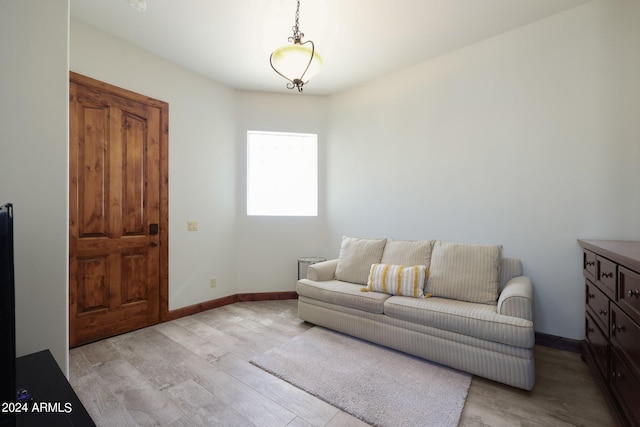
[343, 294]
[472, 319]
[373, 321]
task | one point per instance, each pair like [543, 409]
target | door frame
[163, 235]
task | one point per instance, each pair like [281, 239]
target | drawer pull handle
[603, 312]
[606, 275]
[615, 328]
[592, 296]
[591, 263]
[633, 293]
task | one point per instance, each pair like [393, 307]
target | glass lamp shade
[140, 5]
[292, 59]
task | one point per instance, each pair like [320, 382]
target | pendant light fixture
[139, 5]
[296, 62]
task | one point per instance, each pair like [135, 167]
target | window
[282, 174]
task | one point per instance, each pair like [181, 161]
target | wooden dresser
[612, 345]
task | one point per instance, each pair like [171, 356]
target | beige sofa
[477, 315]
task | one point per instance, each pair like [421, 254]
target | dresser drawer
[606, 276]
[599, 305]
[589, 265]
[625, 385]
[629, 292]
[625, 336]
[598, 344]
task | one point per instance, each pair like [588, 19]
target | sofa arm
[322, 271]
[516, 299]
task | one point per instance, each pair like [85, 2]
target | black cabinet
[53, 402]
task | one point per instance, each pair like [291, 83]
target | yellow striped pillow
[398, 279]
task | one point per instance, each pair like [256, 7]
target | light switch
[192, 225]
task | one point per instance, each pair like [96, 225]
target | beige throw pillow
[356, 257]
[465, 272]
[407, 252]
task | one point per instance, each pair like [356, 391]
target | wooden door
[118, 211]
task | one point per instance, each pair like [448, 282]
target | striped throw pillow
[397, 279]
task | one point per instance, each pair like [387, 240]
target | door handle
[153, 244]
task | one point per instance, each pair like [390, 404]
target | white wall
[529, 139]
[202, 176]
[268, 247]
[34, 166]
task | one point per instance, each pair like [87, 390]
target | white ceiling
[230, 41]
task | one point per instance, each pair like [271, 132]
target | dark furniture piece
[612, 345]
[55, 401]
[7, 316]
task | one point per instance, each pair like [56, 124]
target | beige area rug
[380, 386]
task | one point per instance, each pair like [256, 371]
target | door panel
[133, 159]
[117, 190]
[133, 278]
[93, 165]
[93, 293]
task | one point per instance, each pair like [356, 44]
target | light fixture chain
[297, 35]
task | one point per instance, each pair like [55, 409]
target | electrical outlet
[212, 282]
[192, 225]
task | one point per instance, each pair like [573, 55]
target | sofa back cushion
[465, 272]
[407, 252]
[356, 257]
[398, 279]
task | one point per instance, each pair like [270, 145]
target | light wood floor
[195, 371]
